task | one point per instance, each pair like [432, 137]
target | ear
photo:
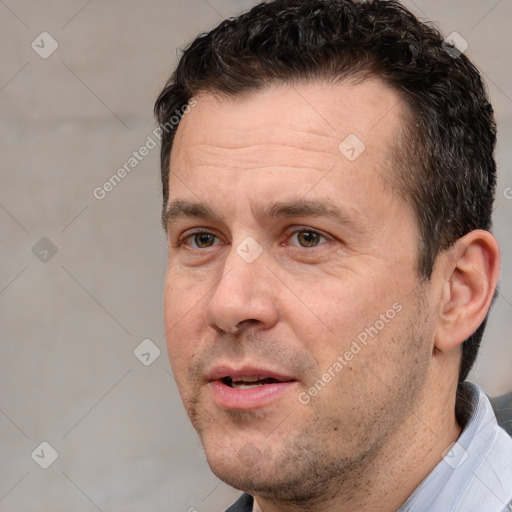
[470, 271]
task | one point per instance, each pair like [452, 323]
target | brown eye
[202, 240]
[309, 238]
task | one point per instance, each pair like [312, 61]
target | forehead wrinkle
[270, 133]
[260, 155]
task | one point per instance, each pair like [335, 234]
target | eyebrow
[309, 208]
[279, 209]
[182, 209]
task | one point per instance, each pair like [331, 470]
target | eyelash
[182, 240]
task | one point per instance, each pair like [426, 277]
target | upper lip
[222, 371]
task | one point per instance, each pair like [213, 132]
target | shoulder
[502, 406]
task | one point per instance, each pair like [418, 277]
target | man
[328, 180]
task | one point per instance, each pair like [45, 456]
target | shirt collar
[464, 461]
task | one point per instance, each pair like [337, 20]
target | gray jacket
[502, 406]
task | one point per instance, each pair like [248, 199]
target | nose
[243, 296]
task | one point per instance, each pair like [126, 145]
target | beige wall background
[81, 278]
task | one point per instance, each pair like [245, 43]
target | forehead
[370, 108]
[294, 121]
[289, 135]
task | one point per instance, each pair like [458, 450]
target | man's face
[297, 327]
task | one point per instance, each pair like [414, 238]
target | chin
[240, 464]
[263, 481]
[261, 471]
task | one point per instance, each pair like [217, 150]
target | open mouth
[248, 387]
[248, 382]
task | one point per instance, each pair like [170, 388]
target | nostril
[249, 322]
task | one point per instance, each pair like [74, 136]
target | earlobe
[470, 270]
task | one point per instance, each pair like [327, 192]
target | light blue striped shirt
[476, 473]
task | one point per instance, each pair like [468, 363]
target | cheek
[182, 299]
[355, 318]
[182, 317]
[341, 307]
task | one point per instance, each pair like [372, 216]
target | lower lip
[227, 397]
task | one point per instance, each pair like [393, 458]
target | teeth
[245, 382]
[245, 385]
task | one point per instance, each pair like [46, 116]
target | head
[280, 101]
